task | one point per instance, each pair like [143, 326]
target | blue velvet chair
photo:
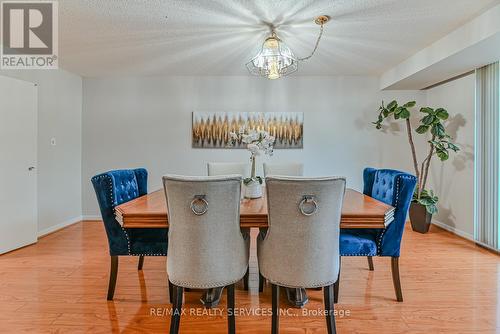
[112, 189]
[394, 188]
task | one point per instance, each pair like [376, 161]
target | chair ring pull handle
[308, 206]
[199, 205]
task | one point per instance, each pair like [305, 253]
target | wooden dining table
[358, 211]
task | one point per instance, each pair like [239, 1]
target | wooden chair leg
[112, 276]
[370, 263]
[329, 309]
[396, 279]
[170, 292]
[262, 281]
[141, 262]
[231, 321]
[336, 285]
[175, 319]
[245, 279]
[275, 308]
[336, 288]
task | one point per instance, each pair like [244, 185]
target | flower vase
[253, 189]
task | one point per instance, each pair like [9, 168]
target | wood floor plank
[59, 286]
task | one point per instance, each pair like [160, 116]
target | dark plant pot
[419, 217]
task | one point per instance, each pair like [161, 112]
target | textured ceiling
[217, 37]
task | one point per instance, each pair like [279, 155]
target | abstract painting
[211, 129]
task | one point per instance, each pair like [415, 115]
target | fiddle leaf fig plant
[440, 143]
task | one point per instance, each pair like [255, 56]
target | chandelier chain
[315, 46]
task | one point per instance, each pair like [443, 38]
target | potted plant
[256, 141]
[424, 203]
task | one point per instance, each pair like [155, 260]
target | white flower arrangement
[256, 142]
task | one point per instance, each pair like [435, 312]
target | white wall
[453, 180]
[59, 167]
[133, 122]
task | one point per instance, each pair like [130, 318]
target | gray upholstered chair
[296, 297]
[301, 247]
[206, 248]
[218, 169]
[286, 169]
[228, 168]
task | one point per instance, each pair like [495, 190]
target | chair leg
[395, 278]
[112, 276]
[370, 263]
[336, 285]
[170, 292]
[275, 308]
[141, 262]
[245, 279]
[262, 280]
[231, 321]
[336, 288]
[329, 309]
[175, 319]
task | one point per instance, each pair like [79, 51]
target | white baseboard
[59, 226]
[91, 217]
[453, 230]
[463, 234]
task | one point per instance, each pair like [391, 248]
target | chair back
[301, 248]
[206, 248]
[286, 169]
[114, 188]
[228, 168]
[395, 188]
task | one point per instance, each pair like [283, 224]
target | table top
[358, 211]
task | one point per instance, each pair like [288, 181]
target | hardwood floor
[59, 286]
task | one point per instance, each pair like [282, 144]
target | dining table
[358, 211]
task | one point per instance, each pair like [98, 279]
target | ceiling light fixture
[275, 58]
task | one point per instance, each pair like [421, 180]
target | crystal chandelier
[275, 58]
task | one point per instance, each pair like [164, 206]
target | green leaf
[410, 104]
[427, 110]
[422, 129]
[442, 114]
[453, 147]
[392, 105]
[432, 209]
[438, 130]
[443, 155]
[405, 113]
[428, 120]
[424, 193]
[425, 201]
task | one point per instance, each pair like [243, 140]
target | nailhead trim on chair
[309, 286]
[381, 236]
[209, 285]
[111, 196]
[398, 182]
[358, 255]
[124, 231]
